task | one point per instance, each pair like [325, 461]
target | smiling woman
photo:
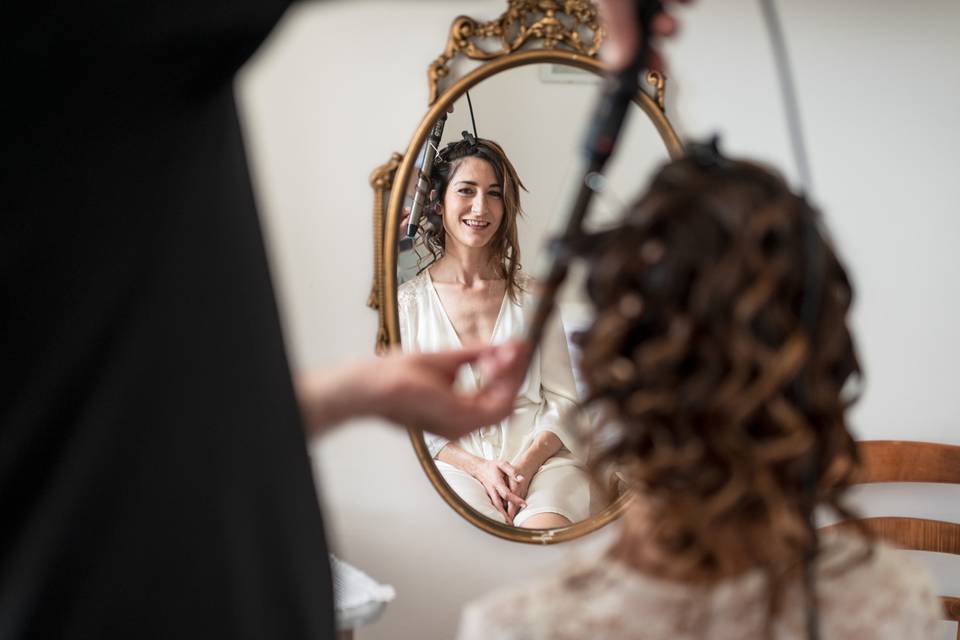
[528, 470]
[473, 212]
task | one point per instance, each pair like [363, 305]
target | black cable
[472, 121]
[788, 93]
[810, 304]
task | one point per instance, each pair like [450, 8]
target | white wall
[341, 85]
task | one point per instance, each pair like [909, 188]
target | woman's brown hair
[723, 408]
[505, 245]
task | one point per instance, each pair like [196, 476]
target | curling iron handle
[619, 90]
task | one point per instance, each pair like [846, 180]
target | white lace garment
[886, 597]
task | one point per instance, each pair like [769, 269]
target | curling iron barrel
[423, 180]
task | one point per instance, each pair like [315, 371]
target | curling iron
[618, 91]
[423, 179]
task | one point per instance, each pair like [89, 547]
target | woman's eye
[465, 191]
[494, 194]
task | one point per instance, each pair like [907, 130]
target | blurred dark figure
[154, 481]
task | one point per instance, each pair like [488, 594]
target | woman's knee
[547, 520]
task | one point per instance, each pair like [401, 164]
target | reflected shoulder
[411, 290]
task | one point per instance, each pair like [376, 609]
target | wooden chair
[903, 461]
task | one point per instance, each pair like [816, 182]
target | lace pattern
[410, 290]
[886, 596]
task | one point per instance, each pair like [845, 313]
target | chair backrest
[904, 461]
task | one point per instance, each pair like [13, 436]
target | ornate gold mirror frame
[547, 31]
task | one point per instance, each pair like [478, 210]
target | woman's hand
[519, 485]
[497, 476]
[543, 447]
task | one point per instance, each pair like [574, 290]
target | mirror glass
[452, 293]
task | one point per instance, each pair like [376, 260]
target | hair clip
[468, 143]
[707, 154]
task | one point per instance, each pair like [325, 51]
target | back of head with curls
[505, 245]
[696, 352]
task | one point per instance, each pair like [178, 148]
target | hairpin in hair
[467, 143]
[707, 154]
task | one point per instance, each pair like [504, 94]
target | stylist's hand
[620, 23]
[404, 218]
[496, 477]
[417, 389]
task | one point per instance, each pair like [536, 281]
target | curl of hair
[505, 244]
[697, 353]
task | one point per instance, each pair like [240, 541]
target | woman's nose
[477, 206]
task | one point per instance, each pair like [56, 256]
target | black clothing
[154, 480]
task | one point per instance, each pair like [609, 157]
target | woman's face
[473, 204]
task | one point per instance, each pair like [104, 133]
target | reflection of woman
[524, 470]
[726, 414]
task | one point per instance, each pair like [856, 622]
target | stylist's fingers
[619, 21]
[617, 18]
[430, 400]
[504, 368]
[665, 24]
[506, 359]
[451, 360]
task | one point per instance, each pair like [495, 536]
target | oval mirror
[534, 105]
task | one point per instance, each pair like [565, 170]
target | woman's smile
[475, 224]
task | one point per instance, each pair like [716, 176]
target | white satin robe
[547, 401]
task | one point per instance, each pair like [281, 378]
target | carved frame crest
[569, 24]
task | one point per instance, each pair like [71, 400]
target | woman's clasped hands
[498, 478]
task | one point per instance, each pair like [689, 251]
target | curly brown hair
[723, 408]
[505, 244]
